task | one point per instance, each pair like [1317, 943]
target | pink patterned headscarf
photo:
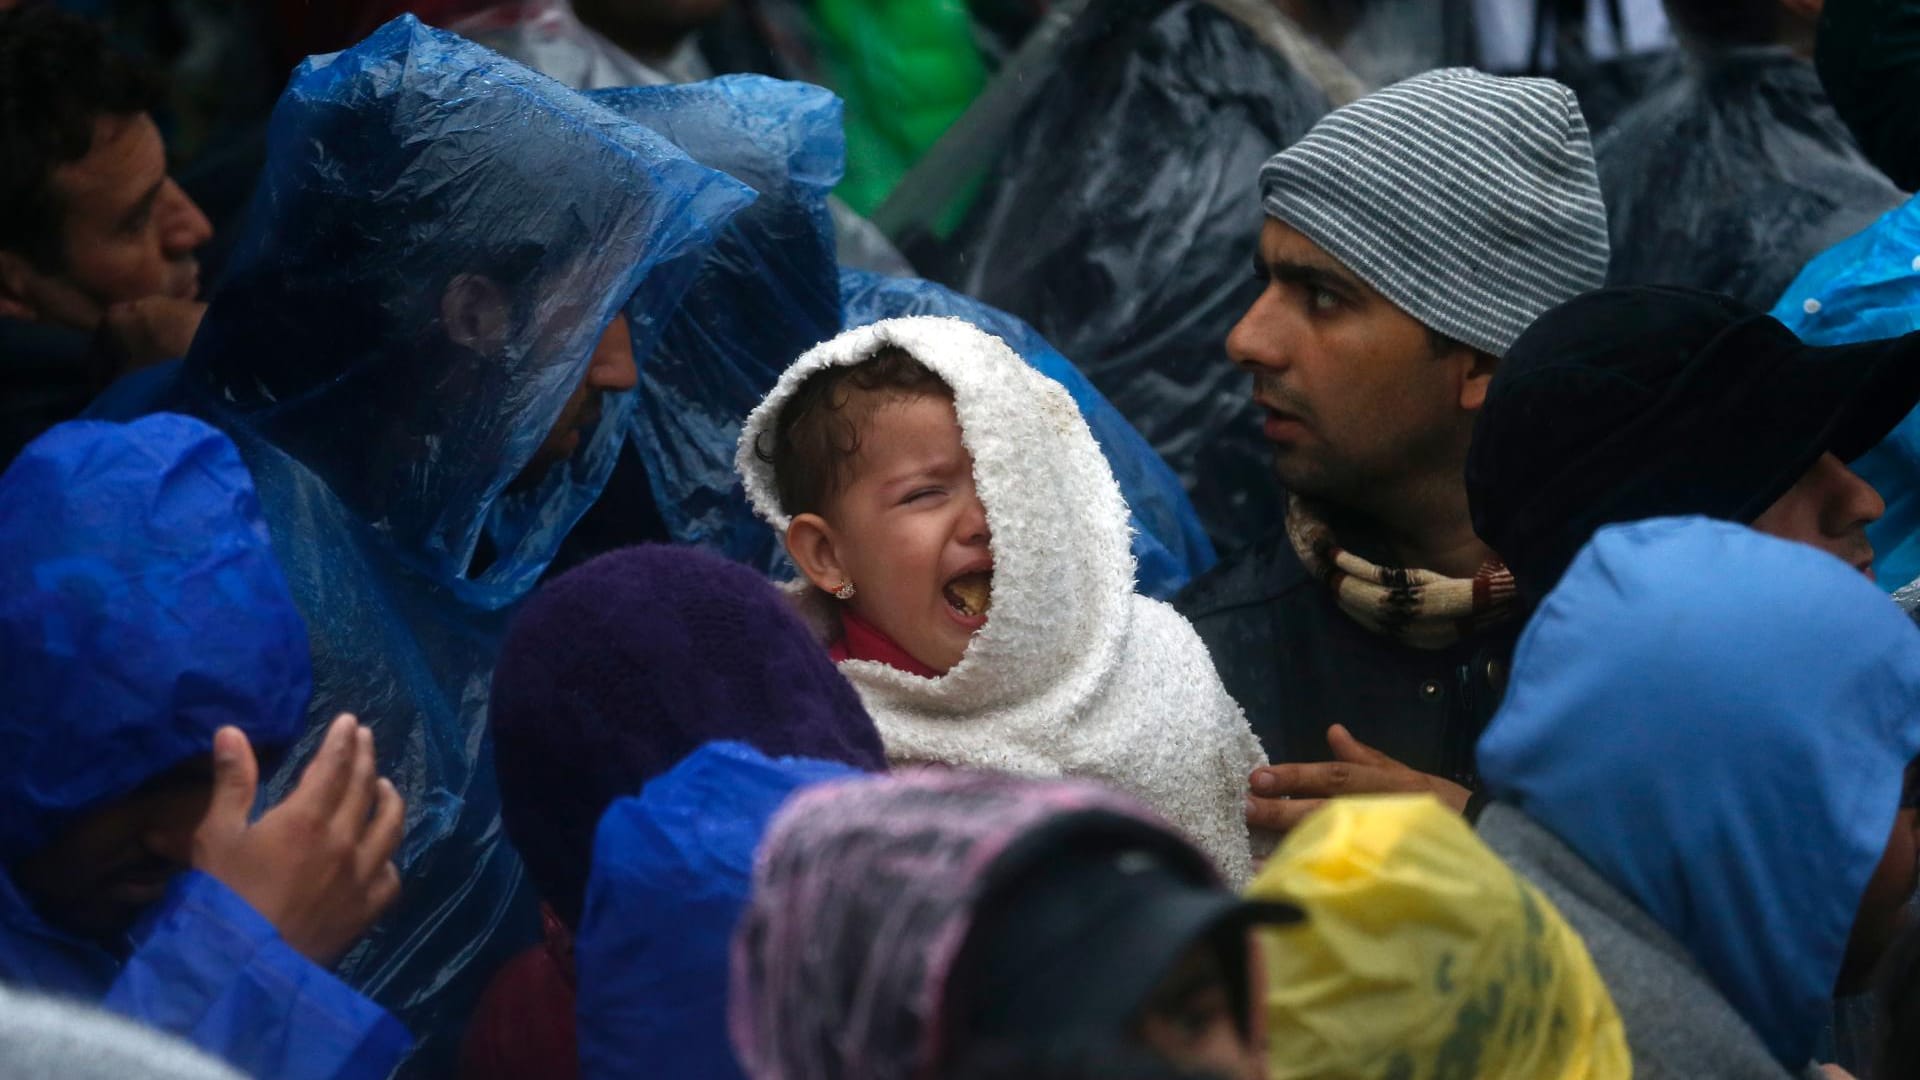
[863, 894]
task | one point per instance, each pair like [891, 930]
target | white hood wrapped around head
[1072, 673]
[1062, 558]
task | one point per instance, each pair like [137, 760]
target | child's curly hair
[817, 434]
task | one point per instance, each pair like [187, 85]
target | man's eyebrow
[143, 205]
[1311, 275]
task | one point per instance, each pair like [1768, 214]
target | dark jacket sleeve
[209, 968]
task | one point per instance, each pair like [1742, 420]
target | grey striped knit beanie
[1467, 199]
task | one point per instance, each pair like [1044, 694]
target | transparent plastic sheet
[438, 242]
[547, 36]
[1733, 177]
[1123, 235]
[1865, 289]
[770, 290]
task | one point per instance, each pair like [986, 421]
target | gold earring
[844, 592]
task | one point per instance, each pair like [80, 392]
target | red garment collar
[861, 640]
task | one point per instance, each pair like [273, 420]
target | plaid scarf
[1418, 608]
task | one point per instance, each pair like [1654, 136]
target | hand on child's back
[319, 866]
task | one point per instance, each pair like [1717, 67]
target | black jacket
[48, 374]
[1296, 663]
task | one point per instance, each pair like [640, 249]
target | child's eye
[923, 493]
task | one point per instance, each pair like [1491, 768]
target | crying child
[965, 557]
[886, 517]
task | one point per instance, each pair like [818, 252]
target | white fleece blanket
[1073, 673]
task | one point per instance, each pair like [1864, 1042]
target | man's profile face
[1829, 507]
[110, 864]
[128, 231]
[610, 371]
[1356, 400]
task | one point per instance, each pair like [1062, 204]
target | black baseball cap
[1650, 401]
[1083, 921]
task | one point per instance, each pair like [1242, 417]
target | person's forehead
[902, 432]
[124, 162]
[1283, 244]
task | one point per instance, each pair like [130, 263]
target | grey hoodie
[1678, 1025]
[43, 1038]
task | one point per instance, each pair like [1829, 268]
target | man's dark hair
[817, 435]
[58, 76]
[1727, 22]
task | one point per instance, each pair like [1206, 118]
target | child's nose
[973, 523]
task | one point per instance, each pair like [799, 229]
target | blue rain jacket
[771, 289]
[437, 243]
[1717, 722]
[672, 869]
[141, 610]
[1865, 288]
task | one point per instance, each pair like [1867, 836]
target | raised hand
[319, 866]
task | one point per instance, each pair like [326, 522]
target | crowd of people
[623, 562]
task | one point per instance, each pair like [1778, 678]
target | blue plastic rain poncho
[771, 290]
[672, 868]
[438, 242]
[140, 611]
[1717, 722]
[1866, 288]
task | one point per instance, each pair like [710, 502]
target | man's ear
[810, 544]
[474, 310]
[16, 280]
[1476, 374]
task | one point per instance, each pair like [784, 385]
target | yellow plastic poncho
[1424, 957]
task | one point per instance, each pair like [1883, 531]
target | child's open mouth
[971, 595]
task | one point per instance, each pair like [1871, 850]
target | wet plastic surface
[438, 243]
[1123, 233]
[1733, 177]
[770, 290]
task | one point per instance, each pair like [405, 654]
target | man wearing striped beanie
[1410, 237]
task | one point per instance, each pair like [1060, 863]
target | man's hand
[151, 330]
[1285, 794]
[319, 866]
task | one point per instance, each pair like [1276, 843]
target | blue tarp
[771, 290]
[437, 244]
[141, 610]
